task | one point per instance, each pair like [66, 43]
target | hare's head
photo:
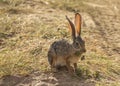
[78, 42]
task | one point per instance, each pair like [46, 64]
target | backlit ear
[78, 24]
[71, 27]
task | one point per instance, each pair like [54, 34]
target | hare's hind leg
[52, 61]
[53, 65]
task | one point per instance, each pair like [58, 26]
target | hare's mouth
[83, 50]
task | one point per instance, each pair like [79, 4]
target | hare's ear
[71, 27]
[78, 24]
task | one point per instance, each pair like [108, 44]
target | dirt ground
[46, 79]
[103, 32]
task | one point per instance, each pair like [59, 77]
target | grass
[12, 3]
[25, 39]
[104, 70]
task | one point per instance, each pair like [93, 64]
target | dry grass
[26, 33]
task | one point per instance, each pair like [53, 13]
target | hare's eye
[77, 43]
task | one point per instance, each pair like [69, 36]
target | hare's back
[62, 48]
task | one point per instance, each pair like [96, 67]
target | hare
[63, 53]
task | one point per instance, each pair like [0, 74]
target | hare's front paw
[55, 70]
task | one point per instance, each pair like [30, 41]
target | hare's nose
[84, 50]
